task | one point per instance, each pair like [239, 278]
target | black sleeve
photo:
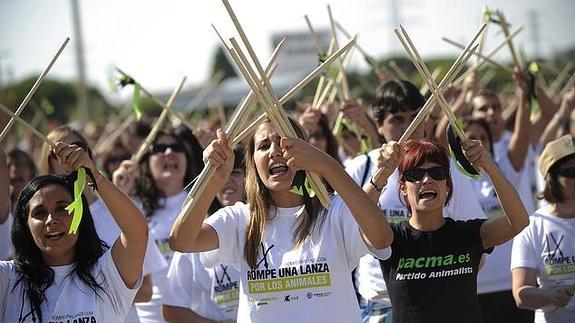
[473, 229]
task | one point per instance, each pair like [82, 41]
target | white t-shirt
[6, 238]
[308, 284]
[109, 231]
[548, 245]
[160, 224]
[527, 183]
[494, 276]
[69, 299]
[212, 293]
[462, 206]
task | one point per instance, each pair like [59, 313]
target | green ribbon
[299, 190]
[77, 207]
[533, 103]
[329, 72]
[136, 101]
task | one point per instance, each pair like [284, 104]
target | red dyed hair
[417, 152]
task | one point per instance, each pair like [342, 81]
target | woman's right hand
[221, 156]
[387, 161]
[125, 176]
[560, 296]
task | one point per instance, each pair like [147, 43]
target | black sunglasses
[438, 173]
[161, 148]
[568, 172]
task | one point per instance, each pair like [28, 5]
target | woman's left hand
[301, 155]
[73, 157]
[477, 154]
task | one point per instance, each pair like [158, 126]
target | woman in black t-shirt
[431, 275]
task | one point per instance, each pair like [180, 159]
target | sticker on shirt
[303, 275]
[432, 267]
[226, 290]
[556, 261]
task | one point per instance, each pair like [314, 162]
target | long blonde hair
[260, 201]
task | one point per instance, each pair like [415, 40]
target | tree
[220, 62]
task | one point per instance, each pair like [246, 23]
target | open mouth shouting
[427, 194]
[54, 236]
[277, 169]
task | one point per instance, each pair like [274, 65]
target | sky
[159, 41]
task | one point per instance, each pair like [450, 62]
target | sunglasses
[568, 172]
[438, 173]
[161, 148]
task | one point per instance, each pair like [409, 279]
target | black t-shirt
[432, 276]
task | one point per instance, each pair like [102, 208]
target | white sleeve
[463, 204]
[226, 222]
[120, 295]
[180, 282]
[153, 260]
[522, 253]
[354, 244]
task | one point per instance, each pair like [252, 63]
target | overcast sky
[159, 41]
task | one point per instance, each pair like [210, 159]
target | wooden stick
[205, 90]
[322, 80]
[447, 79]
[568, 85]
[505, 28]
[422, 68]
[33, 89]
[560, 77]
[278, 113]
[313, 34]
[344, 83]
[487, 59]
[486, 78]
[398, 71]
[100, 146]
[423, 90]
[28, 126]
[490, 55]
[159, 123]
[156, 100]
[237, 121]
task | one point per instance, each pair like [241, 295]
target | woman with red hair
[431, 275]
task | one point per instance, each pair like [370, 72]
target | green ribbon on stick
[77, 206]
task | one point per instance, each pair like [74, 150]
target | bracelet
[380, 188]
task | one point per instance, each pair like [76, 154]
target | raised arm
[373, 225]
[498, 230]
[552, 129]
[4, 187]
[128, 251]
[519, 143]
[189, 234]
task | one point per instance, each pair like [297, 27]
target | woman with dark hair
[162, 174]
[294, 256]
[112, 157]
[316, 126]
[56, 275]
[107, 228]
[192, 144]
[431, 275]
[543, 254]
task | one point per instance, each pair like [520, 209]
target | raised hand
[560, 296]
[300, 154]
[387, 161]
[477, 154]
[72, 157]
[523, 81]
[221, 156]
[125, 176]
